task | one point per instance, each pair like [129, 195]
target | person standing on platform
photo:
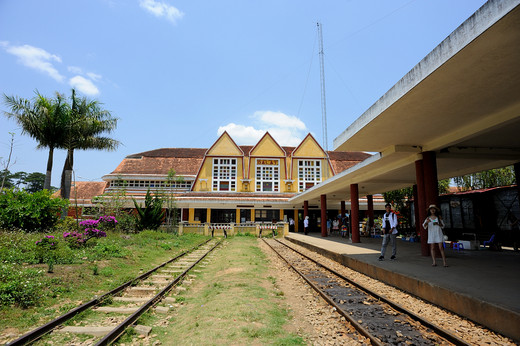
[434, 225]
[389, 232]
[329, 225]
[306, 225]
[291, 224]
[335, 226]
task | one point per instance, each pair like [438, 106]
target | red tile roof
[187, 161]
[85, 190]
[341, 160]
[171, 152]
[159, 165]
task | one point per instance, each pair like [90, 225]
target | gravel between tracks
[465, 329]
[313, 318]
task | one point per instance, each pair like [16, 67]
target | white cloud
[287, 130]
[280, 119]
[35, 58]
[242, 135]
[94, 76]
[161, 9]
[79, 71]
[84, 85]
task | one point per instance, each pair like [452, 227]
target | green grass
[233, 301]
[79, 274]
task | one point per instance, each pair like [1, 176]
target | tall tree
[86, 123]
[34, 182]
[486, 179]
[43, 119]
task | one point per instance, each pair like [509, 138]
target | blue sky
[179, 73]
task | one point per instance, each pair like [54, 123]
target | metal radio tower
[323, 103]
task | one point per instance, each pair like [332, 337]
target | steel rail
[37, 333]
[442, 332]
[121, 328]
[362, 330]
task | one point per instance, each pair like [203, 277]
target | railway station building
[229, 183]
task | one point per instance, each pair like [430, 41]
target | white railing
[217, 229]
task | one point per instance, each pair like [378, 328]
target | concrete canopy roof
[461, 101]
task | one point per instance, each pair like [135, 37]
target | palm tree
[86, 122]
[43, 120]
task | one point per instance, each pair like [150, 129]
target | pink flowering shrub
[107, 221]
[77, 239]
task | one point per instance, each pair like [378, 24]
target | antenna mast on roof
[323, 103]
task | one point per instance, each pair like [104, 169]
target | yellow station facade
[227, 183]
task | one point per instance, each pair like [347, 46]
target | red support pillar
[431, 185]
[421, 207]
[354, 215]
[305, 209]
[370, 211]
[323, 200]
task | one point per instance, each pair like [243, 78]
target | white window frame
[309, 172]
[267, 173]
[224, 172]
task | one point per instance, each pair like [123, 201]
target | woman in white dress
[434, 225]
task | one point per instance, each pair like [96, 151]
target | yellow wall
[224, 146]
[267, 148]
[310, 149]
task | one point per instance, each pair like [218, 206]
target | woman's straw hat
[434, 207]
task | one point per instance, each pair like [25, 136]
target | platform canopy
[461, 101]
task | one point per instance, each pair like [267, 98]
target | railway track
[373, 316]
[130, 300]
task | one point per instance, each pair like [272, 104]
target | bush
[151, 216]
[23, 287]
[67, 224]
[109, 249]
[18, 247]
[30, 212]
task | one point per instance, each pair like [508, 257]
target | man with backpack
[389, 232]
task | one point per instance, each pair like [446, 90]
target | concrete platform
[483, 286]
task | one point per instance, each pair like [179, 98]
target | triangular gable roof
[225, 146]
[309, 147]
[267, 147]
[274, 149]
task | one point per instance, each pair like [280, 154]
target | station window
[224, 174]
[152, 184]
[309, 174]
[267, 175]
[267, 215]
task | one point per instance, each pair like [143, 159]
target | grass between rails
[232, 301]
[102, 266]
